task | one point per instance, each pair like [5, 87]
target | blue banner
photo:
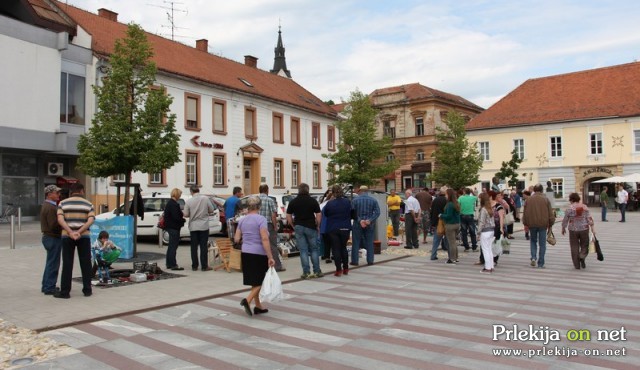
[120, 229]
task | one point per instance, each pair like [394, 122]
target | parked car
[153, 206]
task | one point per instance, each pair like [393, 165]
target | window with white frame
[558, 187]
[483, 148]
[390, 157]
[636, 140]
[595, 142]
[191, 168]
[389, 129]
[218, 169]
[419, 155]
[118, 178]
[315, 135]
[556, 146]
[316, 175]
[419, 126]
[277, 173]
[295, 173]
[155, 178]
[518, 145]
[331, 138]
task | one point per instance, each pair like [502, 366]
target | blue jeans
[538, 237]
[468, 226]
[623, 210]
[51, 267]
[307, 243]
[199, 238]
[436, 243]
[174, 239]
[604, 213]
[362, 238]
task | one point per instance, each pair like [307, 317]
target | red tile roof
[180, 59]
[415, 91]
[605, 92]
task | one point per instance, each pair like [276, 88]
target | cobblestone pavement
[400, 314]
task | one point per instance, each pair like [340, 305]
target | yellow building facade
[571, 130]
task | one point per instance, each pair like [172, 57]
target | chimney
[108, 14]
[251, 61]
[202, 45]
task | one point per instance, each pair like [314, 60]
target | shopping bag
[509, 219]
[592, 246]
[551, 239]
[271, 290]
[596, 243]
[496, 248]
[506, 245]
[441, 229]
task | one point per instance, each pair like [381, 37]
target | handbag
[596, 244]
[509, 219]
[271, 290]
[551, 239]
[506, 245]
[161, 223]
[441, 229]
[592, 246]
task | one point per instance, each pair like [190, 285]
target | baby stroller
[102, 261]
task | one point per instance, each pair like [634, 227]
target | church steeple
[279, 62]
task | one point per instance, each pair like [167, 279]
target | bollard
[160, 232]
[12, 231]
[19, 218]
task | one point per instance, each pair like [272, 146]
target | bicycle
[7, 212]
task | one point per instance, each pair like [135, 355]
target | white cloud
[478, 49]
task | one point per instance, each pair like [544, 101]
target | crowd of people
[478, 220]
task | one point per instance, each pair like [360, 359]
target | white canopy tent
[634, 177]
[614, 179]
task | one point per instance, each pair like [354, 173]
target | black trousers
[337, 241]
[69, 246]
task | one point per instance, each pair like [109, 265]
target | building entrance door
[246, 177]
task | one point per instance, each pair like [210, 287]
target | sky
[477, 49]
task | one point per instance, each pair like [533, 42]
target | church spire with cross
[279, 62]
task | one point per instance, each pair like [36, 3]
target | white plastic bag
[496, 248]
[271, 290]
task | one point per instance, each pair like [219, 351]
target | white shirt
[622, 196]
[412, 204]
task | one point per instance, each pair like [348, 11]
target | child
[104, 253]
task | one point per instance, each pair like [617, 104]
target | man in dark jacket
[437, 207]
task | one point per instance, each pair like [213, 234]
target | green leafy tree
[508, 169]
[128, 133]
[457, 162]
[359, 158]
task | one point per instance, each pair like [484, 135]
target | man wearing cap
[197, 209]
[366, 211]
[51, 238]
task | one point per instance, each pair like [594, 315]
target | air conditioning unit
[55, 169]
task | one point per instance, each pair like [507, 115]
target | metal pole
[160, 232]
[19, 218]
[12, 232]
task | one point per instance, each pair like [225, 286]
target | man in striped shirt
[75, 216]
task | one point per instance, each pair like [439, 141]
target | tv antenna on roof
[171, 15]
